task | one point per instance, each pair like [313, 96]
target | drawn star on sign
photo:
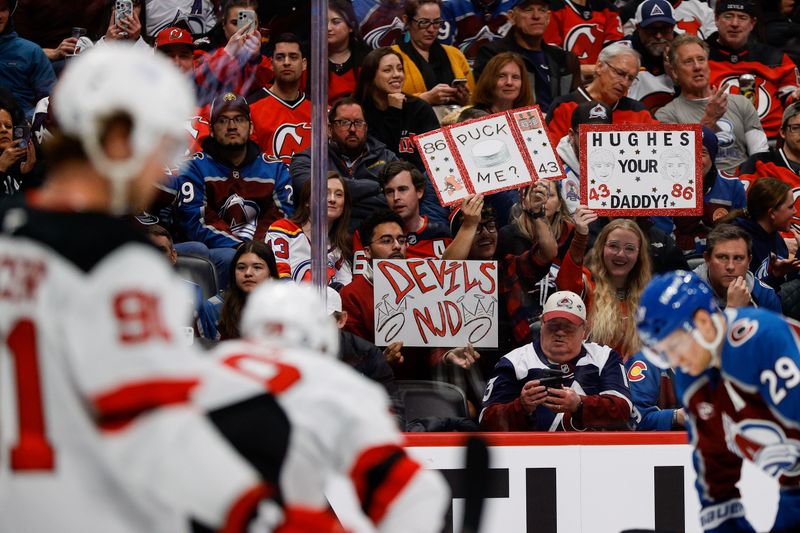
[622, 152]
[539, 132]
[672, 204]
[544, 144]
[433, 158]
[451, 170]
[603, 204]
[655, 189]
[691, 181]
[592, 182]
[619, 191]
[637, 152]
[654, 150]
[637, 178]
[447, 159]
[536, 152]
[437, 169]
[528, 139]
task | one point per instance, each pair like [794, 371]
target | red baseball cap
[173, 35]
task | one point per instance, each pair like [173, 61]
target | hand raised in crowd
[464, 356]
[532, 396]
[781, 267]
[717, 106]
[562, 400]
[534, 199]
[396, 100]
[11, 155]
[392, 353]
[738, 295]
[244, 45]
[471, 208]
[441, 94]
[583, 217]
[65, 48]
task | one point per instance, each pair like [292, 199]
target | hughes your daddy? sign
[435, 302]
[489, 154]
[636, 169]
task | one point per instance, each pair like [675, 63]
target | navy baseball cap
[654, 11]
[736, 5]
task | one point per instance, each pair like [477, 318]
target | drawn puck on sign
[490, 153]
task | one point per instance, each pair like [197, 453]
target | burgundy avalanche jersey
[776, 78]
[468, 28]
[381, 21]
[747, 409]
[281, 128]
[625, 111]
[583, 30]
[774, 164]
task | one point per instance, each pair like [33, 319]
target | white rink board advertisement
[425, 302]
[580, 488]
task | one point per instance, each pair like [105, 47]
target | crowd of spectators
[569, 280]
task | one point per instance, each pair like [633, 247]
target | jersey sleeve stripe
[119, 407]
[380, 475]
[244, 509]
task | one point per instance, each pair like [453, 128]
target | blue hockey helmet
[669, 302]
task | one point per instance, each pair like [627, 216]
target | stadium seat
[199, 270]
[424, 399]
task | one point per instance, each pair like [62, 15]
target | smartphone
[458, 82]
[23, 133]
[552, 379]
[246, 17]
[122, 8]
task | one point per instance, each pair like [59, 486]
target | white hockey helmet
[285, 314]
[121, 78]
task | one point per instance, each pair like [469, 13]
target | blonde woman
[621, 267]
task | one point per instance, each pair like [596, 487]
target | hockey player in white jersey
[340, 422]
[737, 373]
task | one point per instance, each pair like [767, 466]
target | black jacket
[565, 70]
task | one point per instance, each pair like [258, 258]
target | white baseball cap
[565, 304]
[333, 303]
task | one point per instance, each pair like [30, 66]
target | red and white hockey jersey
[280, 128]
[583, 30]
[292, 251]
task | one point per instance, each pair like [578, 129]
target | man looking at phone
[559, 382]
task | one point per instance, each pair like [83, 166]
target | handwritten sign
[638, 169]
[435, 302]
[489, 154]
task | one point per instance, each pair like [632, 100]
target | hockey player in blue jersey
[736, 373]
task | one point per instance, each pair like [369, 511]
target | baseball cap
[736, 5]
[565, 304]
[591, 112]
[711, 142]
[173, 35]
[333, 302]
[653, 11]
[790, 111]
[228, 102]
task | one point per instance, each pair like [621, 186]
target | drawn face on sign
[674, 166]
[602, 165]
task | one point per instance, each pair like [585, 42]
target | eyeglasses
[554, 326]
[237, 120]
[793, 128]
[628, 249]
[424, 23]
[490, 226]
[388, 240]
[621, 73]
[344, 124]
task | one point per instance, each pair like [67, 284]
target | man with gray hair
[616, 69]
[732, 117]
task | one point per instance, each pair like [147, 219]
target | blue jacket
[761, 294]
[25, 71]
[221, 205]
[644, 379]
[764, 244]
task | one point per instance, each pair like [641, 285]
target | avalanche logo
[636, 371]
[763, 100]
[241, 215]
[580, 39]
[741, 331]
[385, 35]
[469, 47]
[765, 444]
[290, 139]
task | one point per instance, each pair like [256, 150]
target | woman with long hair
[346, 49]
[392, 116]
[770, 210]
[290, 238]
[504, 84]
[252, 263]
[621, 268]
